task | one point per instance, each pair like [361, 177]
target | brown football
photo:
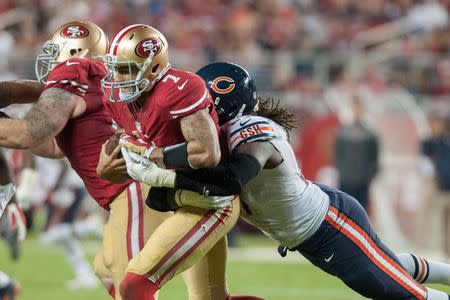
[112, 143]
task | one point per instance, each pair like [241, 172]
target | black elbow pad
[225, 179]
[243, 167]
[157, 199]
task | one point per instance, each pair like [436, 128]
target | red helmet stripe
[118, 37]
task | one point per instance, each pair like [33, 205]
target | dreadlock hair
[271, 109]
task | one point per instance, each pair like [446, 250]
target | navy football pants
[346, 246]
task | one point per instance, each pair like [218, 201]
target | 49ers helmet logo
[147, 46]
[74, 32]
[223, 85]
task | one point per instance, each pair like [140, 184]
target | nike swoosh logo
[180, 87]
[329, 258]
[243, 123]
[71, 63]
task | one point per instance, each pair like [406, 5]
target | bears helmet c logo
[223, 81]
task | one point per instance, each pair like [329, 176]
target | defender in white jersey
[326, 226]
[279, 201]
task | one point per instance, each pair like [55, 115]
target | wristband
[176, 156]
[149, 151]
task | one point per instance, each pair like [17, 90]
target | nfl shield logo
[138, 127]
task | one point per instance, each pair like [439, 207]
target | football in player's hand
[112, 143]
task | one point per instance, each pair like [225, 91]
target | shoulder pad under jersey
[183, 93]
[71, 75]
[248, 129]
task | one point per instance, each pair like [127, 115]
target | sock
[112, 292]
[109, 285]
[92, 225]
[425, 270]
[138, 287]
[436, 295]
[74, 253]
[243, 297]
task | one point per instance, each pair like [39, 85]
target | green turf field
[43, 271]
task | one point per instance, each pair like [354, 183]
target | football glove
[141, 169]
[193, 199]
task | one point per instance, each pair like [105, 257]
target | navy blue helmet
[232, 89]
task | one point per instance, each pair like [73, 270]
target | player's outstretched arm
[19, 92]
[230, 177]
[45, 120]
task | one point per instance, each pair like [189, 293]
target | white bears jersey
[279, 201]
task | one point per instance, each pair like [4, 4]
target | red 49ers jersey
[82, 137]
[176, 95]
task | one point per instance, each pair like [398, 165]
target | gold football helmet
[137, 59]
[79, 38]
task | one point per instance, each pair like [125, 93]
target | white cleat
[56, 234]
[83, 282]
[91, 226]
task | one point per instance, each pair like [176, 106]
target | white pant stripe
[376, 255]
[187, 246]
[134, 235]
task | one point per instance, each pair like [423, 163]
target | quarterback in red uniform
[171, 115]
[69, 119]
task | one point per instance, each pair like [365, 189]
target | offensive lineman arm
[28, 91]
[48, 149]
[19, 92]
[45, 120]
[202, 148]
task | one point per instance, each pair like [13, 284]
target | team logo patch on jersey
[75, 32]
[138, 126]
[223, 85]
[147, 46]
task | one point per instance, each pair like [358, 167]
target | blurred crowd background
[368, 80]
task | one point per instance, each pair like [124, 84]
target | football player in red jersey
[172, 113]
[69, 119]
